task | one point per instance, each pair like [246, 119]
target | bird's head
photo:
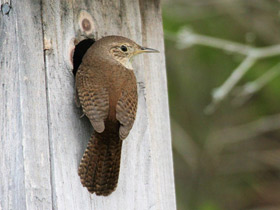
[123, 49]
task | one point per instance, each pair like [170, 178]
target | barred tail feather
[100, 165]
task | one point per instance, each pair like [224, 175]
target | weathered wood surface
[42, 136]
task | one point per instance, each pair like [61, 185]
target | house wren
[107, 91]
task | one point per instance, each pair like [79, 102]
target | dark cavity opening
[79, 52]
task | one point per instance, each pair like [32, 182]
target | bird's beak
[147, 50]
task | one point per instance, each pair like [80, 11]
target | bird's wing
[94, 98]
[126, 107]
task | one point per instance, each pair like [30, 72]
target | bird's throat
[127, 64]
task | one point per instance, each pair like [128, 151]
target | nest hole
[79, 52]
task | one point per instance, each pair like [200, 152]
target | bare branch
[245, 92]
[187, 38]
[221, 92]
[265, 52]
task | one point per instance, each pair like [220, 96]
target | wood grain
[24, 147]
[42, 135]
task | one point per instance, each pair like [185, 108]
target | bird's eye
[123, 48]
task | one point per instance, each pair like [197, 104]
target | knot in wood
[5, 8]
[86, 24]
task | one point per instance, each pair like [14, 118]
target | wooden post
[42, 135]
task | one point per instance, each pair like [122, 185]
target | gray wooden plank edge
[25, 173]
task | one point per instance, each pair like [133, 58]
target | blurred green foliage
[230, 159]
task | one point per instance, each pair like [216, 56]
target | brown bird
[107, 91]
